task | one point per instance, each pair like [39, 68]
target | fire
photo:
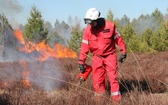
[44, 49]
[25, 74]
[44, 52]
[62, 51]
[25, 81]
[19, 36]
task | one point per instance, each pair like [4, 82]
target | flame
[25, 80]
[45, 51]
[19, 36]
[25, 74]
[62, 51]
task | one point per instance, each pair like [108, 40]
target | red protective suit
[101, 41]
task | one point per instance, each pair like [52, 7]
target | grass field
[143, 80]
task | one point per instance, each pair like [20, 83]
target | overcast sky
[17, 11]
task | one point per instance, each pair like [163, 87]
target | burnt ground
[143, 79]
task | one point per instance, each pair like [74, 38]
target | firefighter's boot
[116, 99]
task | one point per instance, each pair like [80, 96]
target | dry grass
[143, 80]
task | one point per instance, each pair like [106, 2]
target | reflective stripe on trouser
[99, 94]
[115, 93]
[116, 96]
[101, 66]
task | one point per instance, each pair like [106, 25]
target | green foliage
[117, 24]
[158, 44]
[124, 21]
[157, 15]
[76, 39]
[151, 42]
[147, 37]
[148, 33]
[110, 15]
[130, 38]
[34, 29]
[143, 47]
[147, 40]
[162, 37]
[148, 21]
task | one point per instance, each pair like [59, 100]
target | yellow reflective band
[85, 41]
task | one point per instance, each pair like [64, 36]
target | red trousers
[102, 67]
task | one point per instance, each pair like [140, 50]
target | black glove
[122, 57]
[82, 68]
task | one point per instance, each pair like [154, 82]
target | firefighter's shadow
[131, 85]
[134, 85]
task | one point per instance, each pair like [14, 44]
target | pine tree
[6, 32]
[147, 40]
[34, 29]
[76, 38]
[130, 38]
[161, 43]
[124, 21]
[110, 15]
[157, 15]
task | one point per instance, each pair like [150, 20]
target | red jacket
[101, 41]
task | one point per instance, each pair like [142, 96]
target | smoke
[11, 8]
[14, 63]
[9, 47]
[143, 24]
[39, 71]
[39, 74]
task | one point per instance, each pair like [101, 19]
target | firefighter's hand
[122, 57]
[82, 68]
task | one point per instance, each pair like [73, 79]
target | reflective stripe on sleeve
[115, 93]
[85, 41]
[116, 36]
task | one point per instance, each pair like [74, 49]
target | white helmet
[91, 15]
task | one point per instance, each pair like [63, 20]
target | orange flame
[45, 52]
[44, 49]
[64, 52]
[26, 82]
[19, 36]
[25, 74]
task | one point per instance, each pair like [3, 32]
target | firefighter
[100, 38]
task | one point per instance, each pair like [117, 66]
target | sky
[18, 11]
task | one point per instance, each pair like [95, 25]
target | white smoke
[11, 59]
[11, 8]
[39, 71]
